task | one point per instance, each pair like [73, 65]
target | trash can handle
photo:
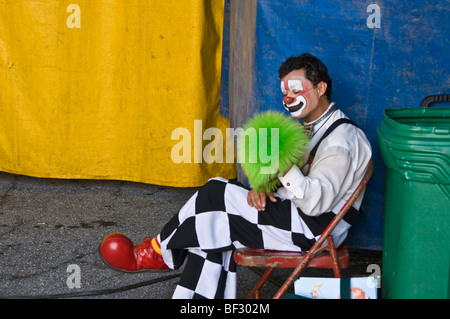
[435, 98]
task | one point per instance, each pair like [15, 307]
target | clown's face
[300, 96]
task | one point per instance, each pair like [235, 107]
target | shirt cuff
[293, 181]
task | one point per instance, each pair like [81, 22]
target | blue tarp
[380, 54]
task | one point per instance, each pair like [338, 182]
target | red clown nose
[288, 100]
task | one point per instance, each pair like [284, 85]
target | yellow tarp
[95, 89]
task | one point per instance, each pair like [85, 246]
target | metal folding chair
[322, 254]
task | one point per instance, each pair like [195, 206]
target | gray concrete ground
[50, 230]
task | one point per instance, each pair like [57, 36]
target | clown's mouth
[294, 108]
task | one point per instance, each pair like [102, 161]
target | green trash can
[415, 147]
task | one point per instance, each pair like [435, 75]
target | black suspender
[352, 214]
[328, 131]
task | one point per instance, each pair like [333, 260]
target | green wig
[270, 144]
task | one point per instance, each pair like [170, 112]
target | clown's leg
[217, 219]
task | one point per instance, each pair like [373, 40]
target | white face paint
[296, 105]
[295, 86]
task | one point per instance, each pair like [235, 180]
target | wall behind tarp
[95, 89]
[380, 54]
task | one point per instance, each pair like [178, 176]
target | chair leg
[334, 257]
[294, 275]
[255, 291]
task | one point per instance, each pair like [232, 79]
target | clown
[224, 214]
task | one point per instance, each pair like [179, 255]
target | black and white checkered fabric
[217, 220]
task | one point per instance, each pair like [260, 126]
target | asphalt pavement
[50, 230]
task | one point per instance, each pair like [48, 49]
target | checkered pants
[217, 220]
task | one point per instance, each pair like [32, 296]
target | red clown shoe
[118, 252]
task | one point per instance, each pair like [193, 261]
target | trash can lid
[416, 143]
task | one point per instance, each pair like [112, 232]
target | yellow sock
[156, 246]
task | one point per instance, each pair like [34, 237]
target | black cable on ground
[96, 292]
[103, 292]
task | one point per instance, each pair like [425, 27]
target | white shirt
[336, 171]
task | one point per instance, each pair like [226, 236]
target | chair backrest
[362, 185]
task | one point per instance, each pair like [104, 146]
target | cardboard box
[329, 288]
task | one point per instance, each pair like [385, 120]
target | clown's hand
[258, 200]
